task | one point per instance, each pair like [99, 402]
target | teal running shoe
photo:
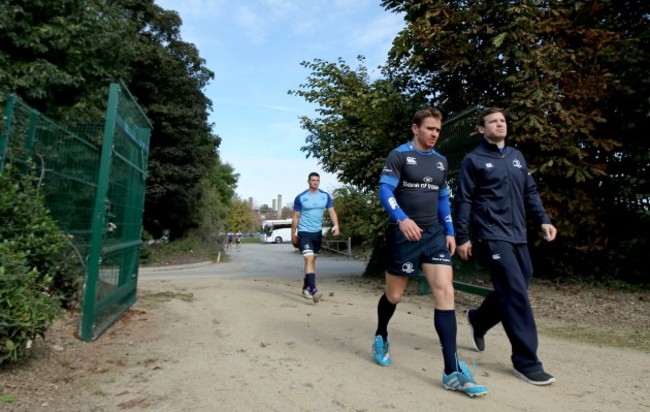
[462, 380]
[380, 351]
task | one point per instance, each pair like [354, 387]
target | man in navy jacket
[496, 194]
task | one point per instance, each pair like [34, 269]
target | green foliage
[189, 249]
[26, 306]
[363, 220]
[359, 121]
[61, 55]
[361, 216]
[168, 76]
[241, 217]
[572, 77]
[25, 221]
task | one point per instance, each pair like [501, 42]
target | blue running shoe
[463, 380]
[380, 351]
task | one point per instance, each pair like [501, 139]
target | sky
[254, 48]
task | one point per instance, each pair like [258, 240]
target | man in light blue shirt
[307, 230]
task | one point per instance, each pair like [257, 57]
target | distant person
[229, 240]
[238, 236]
[307, 230]
[420, 236]
[496, 193]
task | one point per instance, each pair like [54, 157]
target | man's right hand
[464, 250]
[410, 229]
[295, 241]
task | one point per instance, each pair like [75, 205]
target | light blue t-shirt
[311, 207]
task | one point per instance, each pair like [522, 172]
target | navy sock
[385, 311]
[310, 280]
[445, 323]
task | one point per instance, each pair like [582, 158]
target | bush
[26, 306]
[26, 221]
[192, 247]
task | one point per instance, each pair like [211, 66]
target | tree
[357, 120]
[217, 194]
[168, 76]
[568, 72]
[241, 217]
[60, 57]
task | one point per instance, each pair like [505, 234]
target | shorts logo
[489, 165]
[307, 247]
[411, 161]
[407, 267]
[440, 166]
[496, 256]
[516, 163]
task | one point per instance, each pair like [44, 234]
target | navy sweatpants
[511, 270]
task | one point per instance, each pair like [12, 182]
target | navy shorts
[405, 257]
[310, 243]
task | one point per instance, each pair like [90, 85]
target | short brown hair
[422, 114]
[487, 112]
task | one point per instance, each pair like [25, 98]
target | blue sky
[255, 47]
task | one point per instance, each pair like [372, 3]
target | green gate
[93, 177]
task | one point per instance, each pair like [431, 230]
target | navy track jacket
[495, 192]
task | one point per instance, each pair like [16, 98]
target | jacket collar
[492, 147]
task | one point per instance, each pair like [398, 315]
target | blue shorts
[405, 257]
[310, 243]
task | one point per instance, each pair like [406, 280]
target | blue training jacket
[495, 192]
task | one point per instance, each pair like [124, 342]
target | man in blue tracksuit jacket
[495, 195]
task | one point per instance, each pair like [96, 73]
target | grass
[6, 397]
[621, 336]
[185, 249]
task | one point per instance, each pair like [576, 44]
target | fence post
[91, 278]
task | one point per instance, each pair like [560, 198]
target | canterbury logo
[408, 267]
[496, 256]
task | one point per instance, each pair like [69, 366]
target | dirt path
[238, 336]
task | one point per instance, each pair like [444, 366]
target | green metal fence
[459, 136]
[93, 177]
